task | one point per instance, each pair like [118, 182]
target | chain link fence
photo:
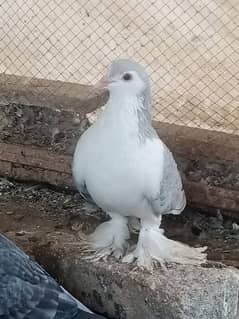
[189, 47]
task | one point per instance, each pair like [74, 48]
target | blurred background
[190, 48]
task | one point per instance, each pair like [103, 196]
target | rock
[20, 233]
[9, 213]
[112, 288]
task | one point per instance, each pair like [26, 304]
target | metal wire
[189, 47]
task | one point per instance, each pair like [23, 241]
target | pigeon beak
[102, 83]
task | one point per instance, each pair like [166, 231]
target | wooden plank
[199, 143]
[27, 155]
[53, 94]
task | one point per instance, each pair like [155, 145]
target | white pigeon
[121, 164]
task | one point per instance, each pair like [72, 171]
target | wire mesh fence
[189, 47]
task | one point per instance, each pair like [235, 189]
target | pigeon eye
[127, 77]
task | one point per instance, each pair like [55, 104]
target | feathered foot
[109, 238]
[154, 247]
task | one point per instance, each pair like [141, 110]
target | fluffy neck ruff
[131, 113]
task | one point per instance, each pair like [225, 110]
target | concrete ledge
[113, 289]
[183, 292]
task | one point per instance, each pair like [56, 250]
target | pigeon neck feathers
[131, 111]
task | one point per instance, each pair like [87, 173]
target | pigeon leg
[109, 238]
[134, 224]
[154, 247]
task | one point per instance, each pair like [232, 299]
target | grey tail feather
[86, 195]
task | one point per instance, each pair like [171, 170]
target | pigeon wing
[28, 292]
[170, 197]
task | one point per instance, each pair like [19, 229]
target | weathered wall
[39, 130]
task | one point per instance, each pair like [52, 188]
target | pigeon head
[127, 76]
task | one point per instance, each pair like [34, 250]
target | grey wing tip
[88, 198]
[177, 211]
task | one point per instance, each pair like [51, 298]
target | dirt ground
[190, 49]
[29, 212]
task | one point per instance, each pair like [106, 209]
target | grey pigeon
[121, 164]
[27, 291]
